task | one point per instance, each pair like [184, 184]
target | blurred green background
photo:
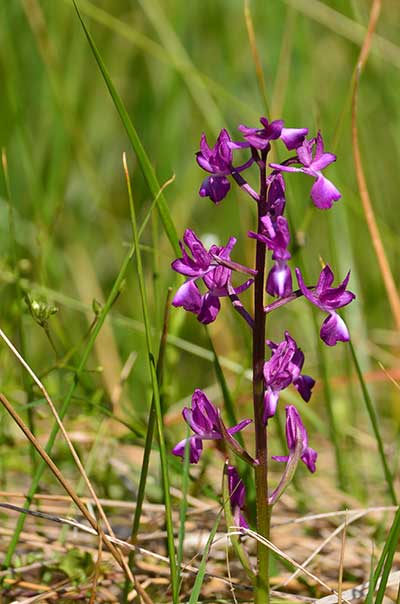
[183, 68]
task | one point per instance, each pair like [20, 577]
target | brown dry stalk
[114, 550]
[282, 554]
[71, 447]
[392, 293]
[96, 574]
[64, 483]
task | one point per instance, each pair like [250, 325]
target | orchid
[208, 274]
[314, 159]
[203, 264]
[329, 299]
[260, 138]
[205, 421]
[284, 368]
[296, 432]
[218, 162]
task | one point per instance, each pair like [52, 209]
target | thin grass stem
[156, 393]
[375, 427]
[148, 441]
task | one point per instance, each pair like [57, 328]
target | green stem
[19, 296]
[156, 397]
[148, 444]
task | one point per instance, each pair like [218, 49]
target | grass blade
[392, 543]
[137, 146]
[375, 426]
[156, 394]
[149, 440]
[184, 503]
[194, 597]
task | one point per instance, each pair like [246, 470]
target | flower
[237, 496]
[202, 264]
[276, 237]
[205, 421]
[260, 137]
[295, 432]
[323, 191]
[329, 299]
[284, 368]
[218, 162]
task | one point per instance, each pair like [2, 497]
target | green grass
[146, 78]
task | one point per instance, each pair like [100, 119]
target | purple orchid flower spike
[237, 496]
[276, 237]
[323, 191]
[284, 368]
[295, 432]
[205, 421]
[329, 299]
[203, 264]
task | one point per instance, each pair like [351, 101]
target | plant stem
[261, 471]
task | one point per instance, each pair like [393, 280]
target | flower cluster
[209, 275]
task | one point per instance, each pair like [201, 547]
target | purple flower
[295, 432]
[260, 137]
[329, 299]
[276, 237]
[218, 162]
[237, 496]
[202, 264]
[205, 421]
[323, 191]
[284, 368]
